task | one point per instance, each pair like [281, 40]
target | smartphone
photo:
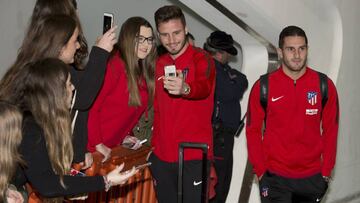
[128, 145]
[142, 166]
[170, 70]
[108, 21]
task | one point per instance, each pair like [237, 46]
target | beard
[295, 68]
[175, 52]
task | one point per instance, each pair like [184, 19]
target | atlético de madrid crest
[312, 97]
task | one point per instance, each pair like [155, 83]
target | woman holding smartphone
[128, 87]
[86, 79]
[44, 94]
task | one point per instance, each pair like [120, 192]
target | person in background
[182, 108]
[229, 90]
[86, 79]
[10, 138]
[128, 88]
[294, 156]
[44, 95]
[190, 38]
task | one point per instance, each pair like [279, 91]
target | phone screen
[170, 70]
[128, 145]
[108, 20]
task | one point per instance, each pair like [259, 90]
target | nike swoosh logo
[277, 98]
[197, 183]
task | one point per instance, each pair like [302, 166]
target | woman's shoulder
[116, 59]
[116, 64]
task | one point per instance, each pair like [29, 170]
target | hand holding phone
[108, 21]
[132, 142]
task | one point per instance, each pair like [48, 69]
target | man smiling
[182, 108]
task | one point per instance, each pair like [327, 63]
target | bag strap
[323, 88]
[264, 90]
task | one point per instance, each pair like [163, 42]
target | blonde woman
[10, 138]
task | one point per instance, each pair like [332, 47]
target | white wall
[346, 184]
[14, 15]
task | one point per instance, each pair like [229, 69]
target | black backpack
[264, 89]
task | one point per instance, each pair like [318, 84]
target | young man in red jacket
[295, 154]
[183, 108]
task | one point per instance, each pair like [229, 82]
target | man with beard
[294, 155]
[183, 108]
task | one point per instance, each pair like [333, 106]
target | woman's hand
[131, 142]
[13, 196]
[107, 40]
[88, 161]
[117, 178]
[104, 150]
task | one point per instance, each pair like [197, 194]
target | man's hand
[104, 150]
[175, 84]
[260, 177]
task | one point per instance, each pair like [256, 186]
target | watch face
[186, 89]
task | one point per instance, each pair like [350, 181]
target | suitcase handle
[205, 169]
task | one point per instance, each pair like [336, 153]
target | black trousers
[223, 161]
[277, 189]
[165, 176]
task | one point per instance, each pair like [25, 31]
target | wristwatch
[186, 89]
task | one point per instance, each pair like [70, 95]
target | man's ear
[279, 52]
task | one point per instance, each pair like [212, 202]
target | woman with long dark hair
[44, 95]
[128, 87]
[86, 79]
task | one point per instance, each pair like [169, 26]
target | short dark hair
[291, 30]
[167, 13]
[190, 36]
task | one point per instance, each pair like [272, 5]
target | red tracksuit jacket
[300, 137]
[184, 119]
[110, 117]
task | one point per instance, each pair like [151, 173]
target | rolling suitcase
[205, 169]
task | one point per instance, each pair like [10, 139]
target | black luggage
[205, 169]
